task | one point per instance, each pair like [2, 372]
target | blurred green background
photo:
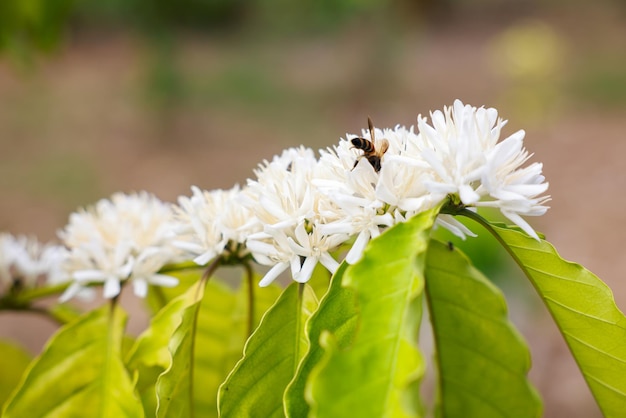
[98, 97]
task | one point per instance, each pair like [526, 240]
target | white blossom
[291, 210]
[26, 262]
[466, 159]
[514, 190]
[210, 222]
[370, 201]
[123, 239]
[456, 148]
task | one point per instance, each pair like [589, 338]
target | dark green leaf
[271, 356]
[337, 305]
[377, 373]
[220, 337]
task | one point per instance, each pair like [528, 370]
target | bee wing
[370, 124]
[384, 146]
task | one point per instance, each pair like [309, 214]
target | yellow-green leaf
[174, 386]
[584, 310]
[13, 362]
[80, 372]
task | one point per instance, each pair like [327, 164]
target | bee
[368, 147]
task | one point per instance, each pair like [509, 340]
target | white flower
[309, 207]
[515, 191]
[210, 220]
[291, 209]
[27, 262]
[371, 201]
[350, 191]
[124, 239]
[461, 148]
[273, 249]
[401, 182]
[314, 247]
[456, 148]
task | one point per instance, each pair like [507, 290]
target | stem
[298, 324]
[114, 300]
[188, 265]
[194, 327]
[26, 296]
[48, 314]
[211, 269]
[204, 280]
[250, 282]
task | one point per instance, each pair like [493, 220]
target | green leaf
[377, 375]
[220, 337]
[13, 362]
[256, 385]
[221, 332]
[64, 313]
[174, 386]
[584, 310]
[150, 356]
[336, 305]
[482, 361]
[320, 281]
[80, 371]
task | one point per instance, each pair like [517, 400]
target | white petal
[140, 287]
[203, 259]
[468, 195]
[519, 221]
[296, 265]
[85, 276]
[71, 291]
[259, 247]
[454, 226]
[163, 280]
[329, 262]
[306, 271]
[111, 288]
[272, 274]
[356, 251]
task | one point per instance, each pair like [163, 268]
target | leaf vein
[606, 385]
[568, 334]
[556, 302]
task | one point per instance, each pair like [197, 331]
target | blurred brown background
[99, 97]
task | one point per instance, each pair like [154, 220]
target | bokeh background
[127, 95]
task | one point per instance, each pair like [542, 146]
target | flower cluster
[300, 210]
[26, 263]
[306, 208]
[125, 238]
[212, 223]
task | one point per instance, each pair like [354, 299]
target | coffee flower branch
[300, 210]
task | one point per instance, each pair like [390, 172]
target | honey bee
[368, 147]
